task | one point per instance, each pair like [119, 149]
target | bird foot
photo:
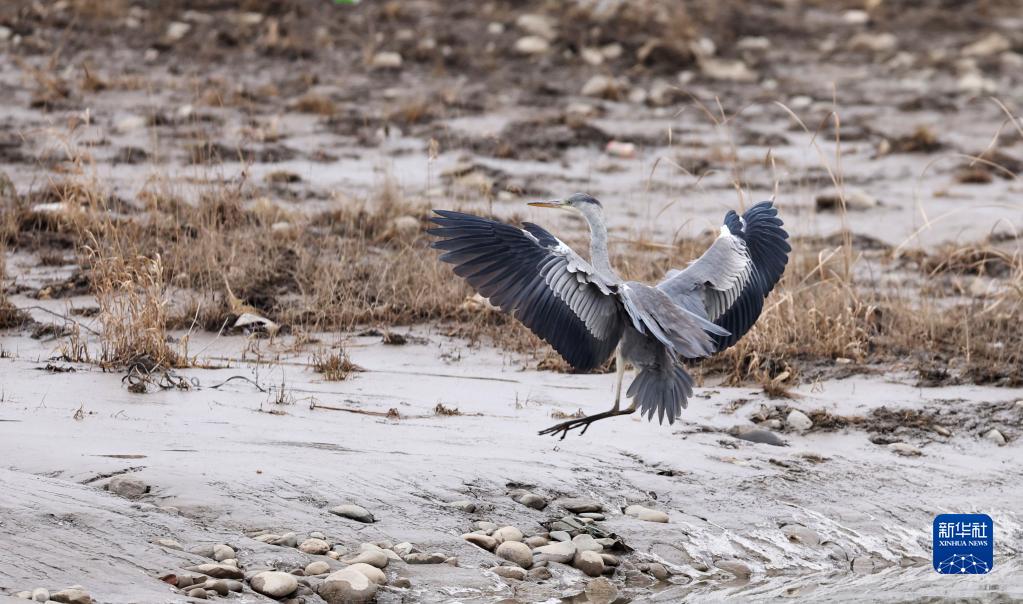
[582, 422]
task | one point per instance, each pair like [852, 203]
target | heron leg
[584, 422]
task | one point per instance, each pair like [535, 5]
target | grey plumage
[587, 312]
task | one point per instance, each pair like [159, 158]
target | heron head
[576, 201]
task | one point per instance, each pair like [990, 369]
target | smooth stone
[600, 86]
[374, 558]
[223, 552]
[265, 538]
[286, 540]
[801, 534]
[531, 45]
[354, 512]
[517, 552]
[540, 573]
[217, 585]
[507, 533]
[317, 535]
[536, 541]
[799, 421]
[347, 586]
[485, 541]
[423, 558]
[579, 505]
[317, 568]
[589, 562]
[510, 572]
[386, 60]
[592, 515]
[71, 595]
[610, 560]
[197, 592]
[646, 514]
[737, 567]
[402, 582]
[334, 555]
[528, 499]
[537, 25]
[404, 548]
[905, 449]
[601, 591]
[316, 547]
[561, 536]
[129, 488]
[217, 571]
[586, 543]
[658, 571]
[483, 525]
[372, 573]
[995, 436]
[274, 583]
[759, 436]
[233, 585]
[562, 551]
[40, 594]
[463, 505]
[168, 543]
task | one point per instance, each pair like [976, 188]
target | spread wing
[537, 279]
[729, 282]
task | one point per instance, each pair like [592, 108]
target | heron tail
[664, 390]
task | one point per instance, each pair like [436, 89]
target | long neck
[599, 257]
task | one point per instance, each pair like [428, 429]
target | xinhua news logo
[964, 544]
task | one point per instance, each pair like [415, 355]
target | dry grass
[334, 366]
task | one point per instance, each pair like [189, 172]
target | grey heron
[587, 312]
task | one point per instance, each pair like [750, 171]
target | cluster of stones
[75, 594]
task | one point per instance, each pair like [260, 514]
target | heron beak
[554, 203]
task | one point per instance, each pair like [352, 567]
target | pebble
[517, 552]
[177, 30]
[317, 568]
[991, 44]
[664, 93]
[905, 449]
[856, 17]
[879, 43]
[995, 436]
[386, 60]
[645, 513]
[578, 505]
[727, 69]
[316, 547]
[507, 533]
[586, 543]
[591, 56]
[217, 571]
[801, 534]
[267, 537]
[404, 548]
[463, 505]
[528, 499]
[600, 86]
[537, 25]
[510, 572]
[737, 567]
[286, 540]
[601, 591]
[658, 571]
[531, 45]
[347, 586]
[483, 525]
[863, 564]
[40, 594]
[536, 541]
[334, 555]
[539, 573]
[375, 558]
[5, 33]
[589, 562]
[560, 536]
[592, 515]
[763, 437]
[71, 595]
[218, 585]
[835, 551]
[563, 552]
[402, 582]
[168, 543]
[799, 421]
[129, 488]
[317, 535]
[485, 541]
[197, 592]
[274, 583]
[423, 558]
[223, 552]
[610, 560]
[355, 512]
[372, 573]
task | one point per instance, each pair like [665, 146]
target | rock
[462, 505]
[586, 543]
[168, 543]
[528, 499]
[798, 421]
[905, 449]
[737, 567]
[452, 561]
[601, 87]
[265, 538]
[510, 572]
[856, 17]
[658, 571]
[517, 552]
[317, 535]
[855, 200]
[645, 513]
[537, 25]
[863, 564]
[334, 555]
[991, 44]
[223, 552]
[286, 540]
[372, 573]
[423, 558]
[176, 30]
[197, 592]
[375, 558]
[592, 515]
[974, 82]
[5, 33]
[601, 591]
[317, 568]
[316, 547]
[591, 56]
[836, 551]
[539, 573]
[355, 512]
[727, 70]
[483, 525]
[507, 533]
[404, 548]
[347, 586]
[386, 60]
[801, 534]
[562, 551]
[485, 541]
[217, 571]
[230, 562]
[40, 594]
[994, 436]
[274, 583]
[578, 505]
[402, 582]
[589, 562]
[531, 45]
[870, 42]
[764, 437]
[217, 585]
[560, 536]
[612, 51]
[536, 541]
[71, 595]
[129, 488]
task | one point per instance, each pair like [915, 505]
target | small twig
[240, 377]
